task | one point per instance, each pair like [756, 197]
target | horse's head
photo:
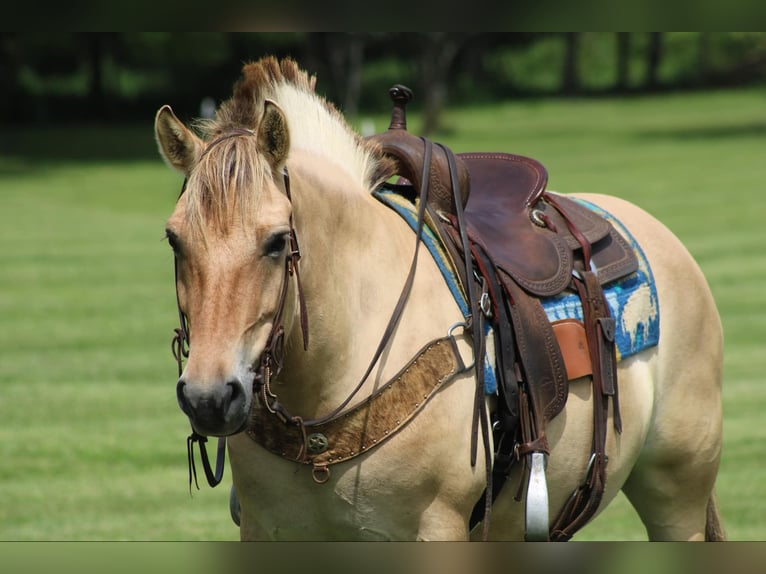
[230, 236]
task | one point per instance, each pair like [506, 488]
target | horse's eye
[172, 238]
[275, 245]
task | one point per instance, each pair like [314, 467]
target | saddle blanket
[632, 300]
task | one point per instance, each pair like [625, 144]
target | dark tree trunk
[95, 50]
[703, 62]
[436, 60]
[654, 58]
[623, 61]
[570, 82]
[10, 94]
[354, 58]
[343, 54]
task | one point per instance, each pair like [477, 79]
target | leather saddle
[525, 244]
[507, 209]
[407, 151]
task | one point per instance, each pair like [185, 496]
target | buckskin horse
[375, 383]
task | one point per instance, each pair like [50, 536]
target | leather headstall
[271, 360]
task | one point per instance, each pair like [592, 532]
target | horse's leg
[671, 485]
[441, 522]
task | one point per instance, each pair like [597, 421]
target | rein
[277, 408]
[272, 359]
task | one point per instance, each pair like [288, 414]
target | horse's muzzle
[215, 410]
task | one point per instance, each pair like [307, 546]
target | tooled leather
[539, 354]
[370, 423]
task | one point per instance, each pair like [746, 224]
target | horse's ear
[179, 146]
[273, 135]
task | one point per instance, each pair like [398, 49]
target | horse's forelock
[226, 182]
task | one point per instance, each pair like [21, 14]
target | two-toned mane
[232, 170]
[340, 363]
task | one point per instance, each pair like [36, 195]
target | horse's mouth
[219, 411]
[214, 426]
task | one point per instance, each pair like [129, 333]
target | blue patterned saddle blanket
[632, 300]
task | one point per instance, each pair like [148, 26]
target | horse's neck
[355, 258]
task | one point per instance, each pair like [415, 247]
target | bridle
[272, 359]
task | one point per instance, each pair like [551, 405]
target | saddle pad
[632, 300]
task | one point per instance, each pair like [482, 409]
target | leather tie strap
[213, 478]
[599, 328]
[475, 321]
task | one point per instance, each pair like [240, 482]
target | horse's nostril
[237, 397]
[236, 389]
[183, 400]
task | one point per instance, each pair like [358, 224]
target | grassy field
[92, 439]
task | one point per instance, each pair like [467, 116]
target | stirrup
[537, 520]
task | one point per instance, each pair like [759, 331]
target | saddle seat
[509, 214]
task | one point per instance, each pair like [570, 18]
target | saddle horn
[407, 151]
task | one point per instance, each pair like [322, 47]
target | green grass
[92, 439]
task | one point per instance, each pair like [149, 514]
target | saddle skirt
[509, 214]
[632, 300]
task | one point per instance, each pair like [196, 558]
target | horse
[283, 252]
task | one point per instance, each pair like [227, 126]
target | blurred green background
[92, 439]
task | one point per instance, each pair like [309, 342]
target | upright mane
[314, 123]
[232, 170]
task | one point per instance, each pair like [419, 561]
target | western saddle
[512, 243]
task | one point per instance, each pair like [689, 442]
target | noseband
[272, 359]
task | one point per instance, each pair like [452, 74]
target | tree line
[122, 76]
